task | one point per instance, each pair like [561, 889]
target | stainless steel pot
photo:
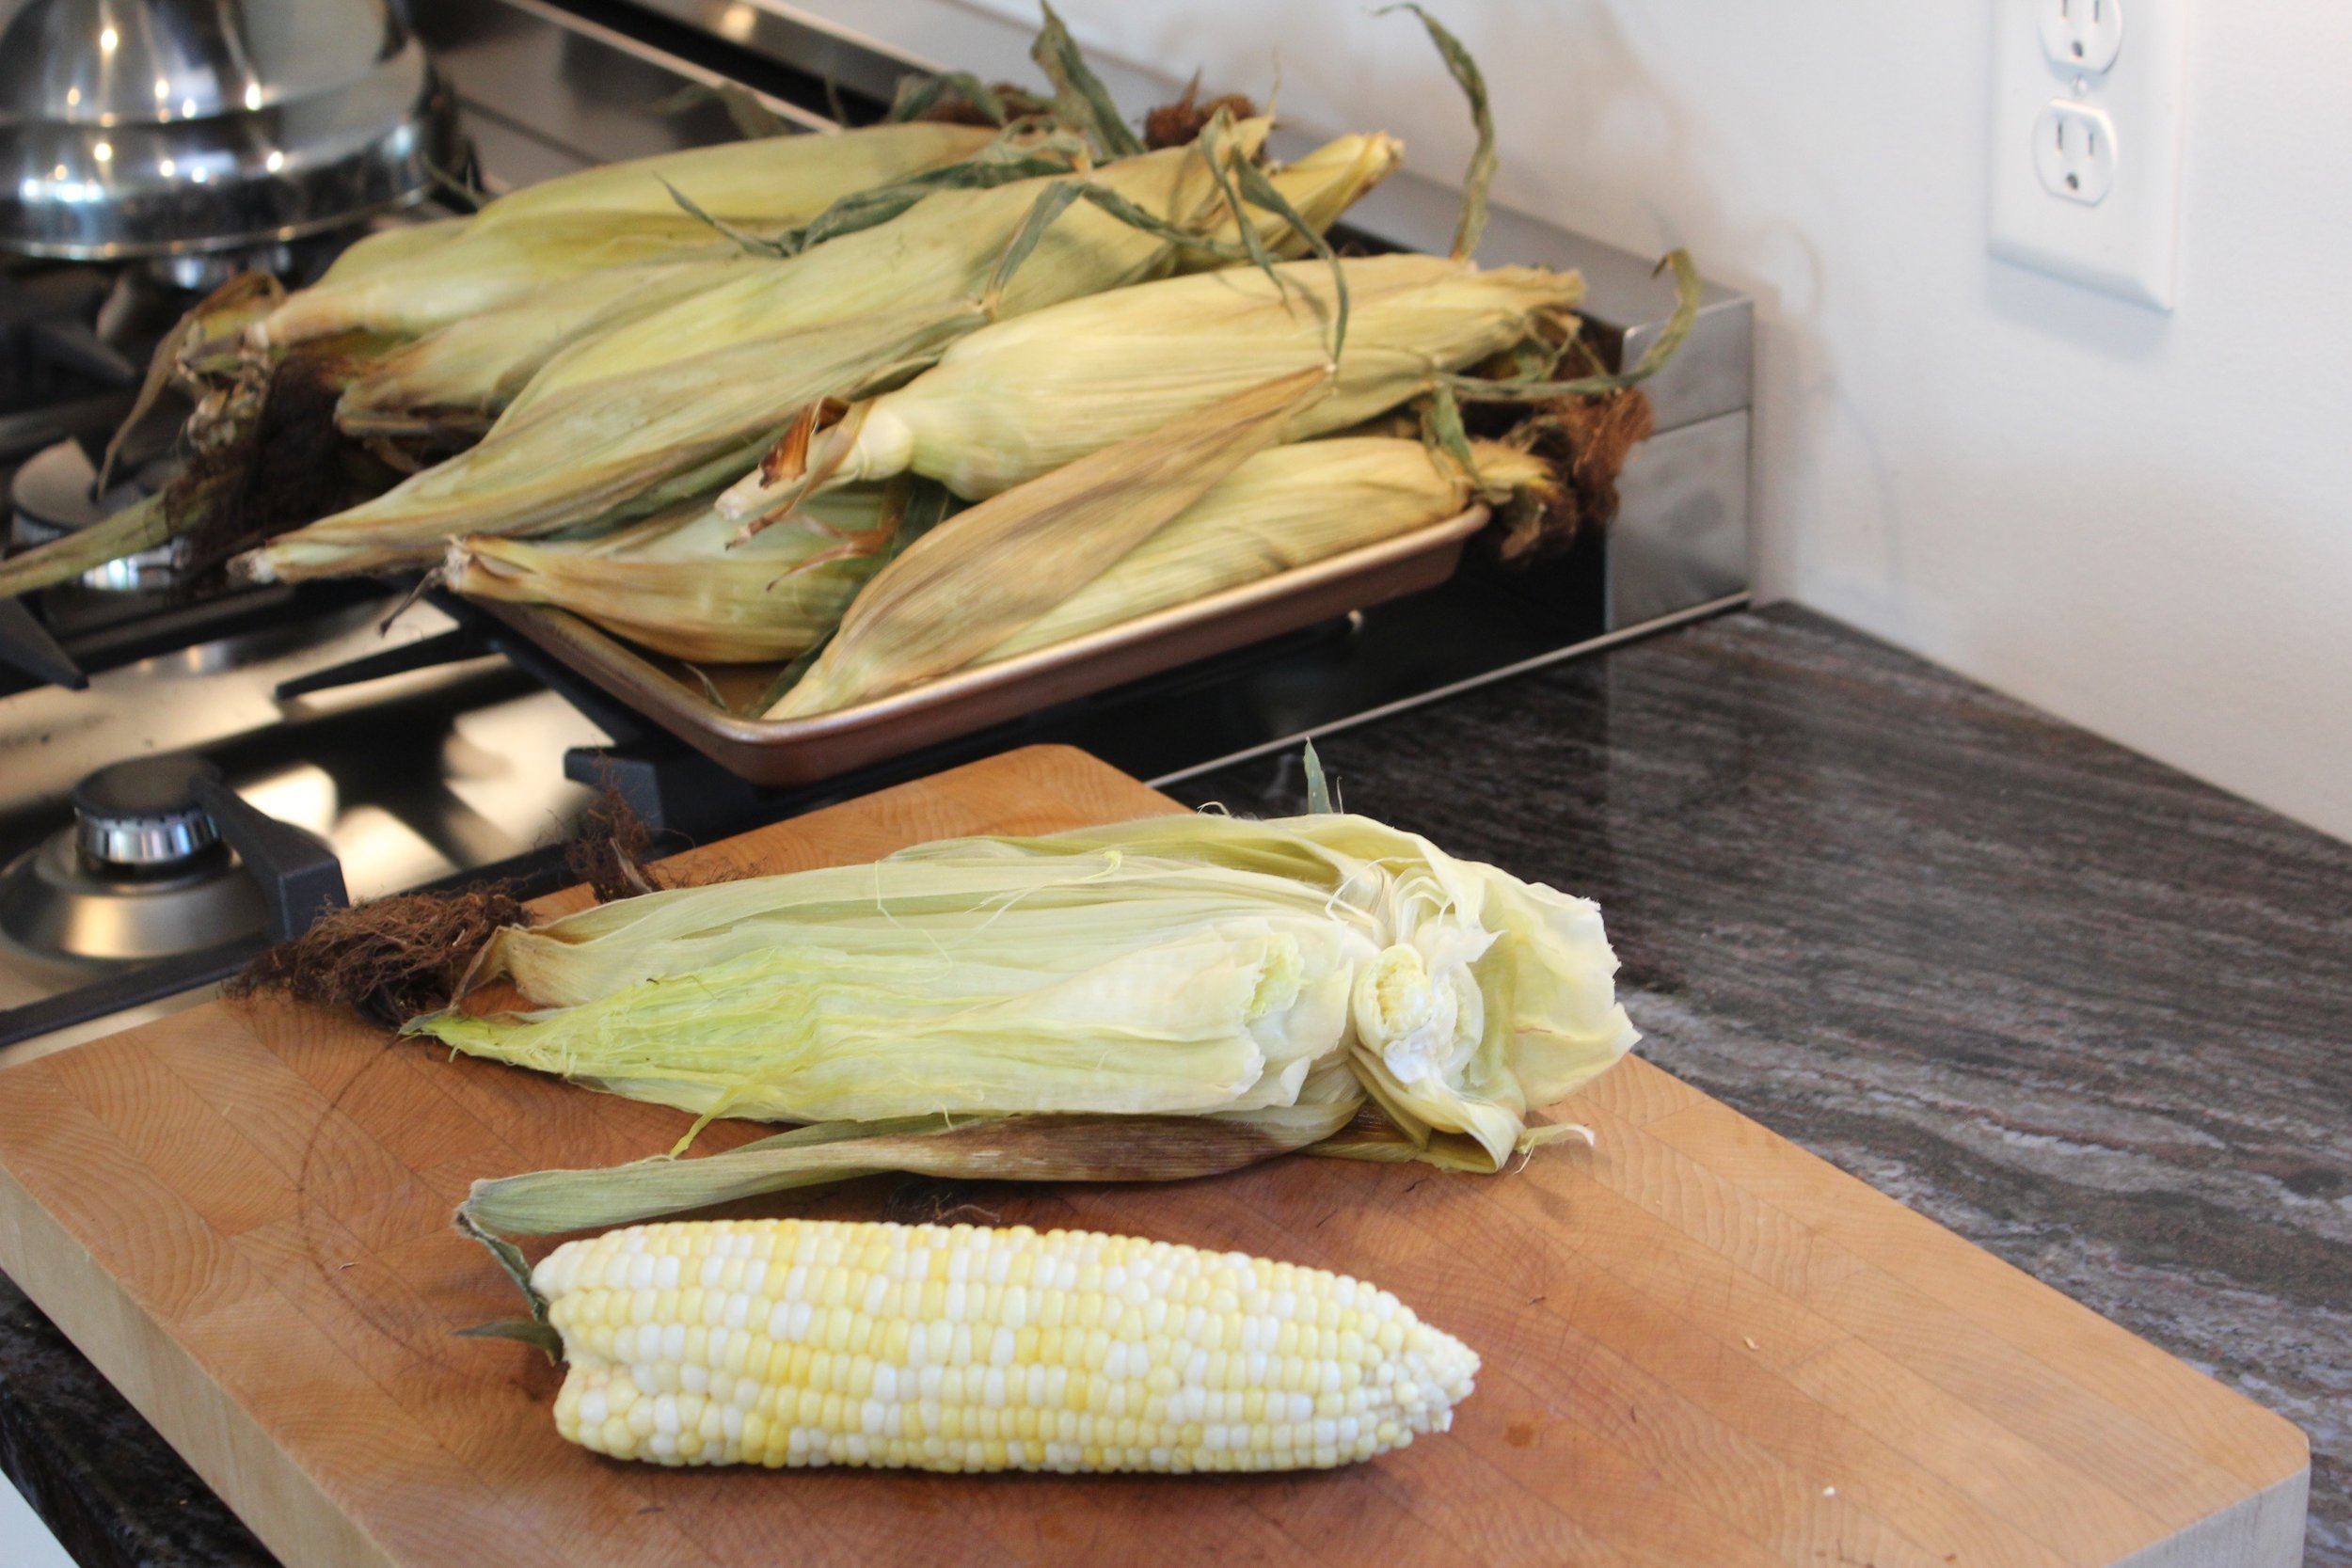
[158, 127]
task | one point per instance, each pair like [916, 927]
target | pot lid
[149, 127]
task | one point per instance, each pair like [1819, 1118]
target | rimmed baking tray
[696, 704]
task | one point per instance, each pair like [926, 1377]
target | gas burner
[140, 873]
[51, 497]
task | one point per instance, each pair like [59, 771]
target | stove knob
[143, 814]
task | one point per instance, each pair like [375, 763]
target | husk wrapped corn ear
[944, 248]
[1022, 398]
[1181, 965]
[1285, 508]
[758, 182]
[610, 216]
[612, 454]
[671, 584]
[990, 569]
[457, 379]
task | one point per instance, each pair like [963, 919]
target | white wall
[24, 1541]
[2142, 523]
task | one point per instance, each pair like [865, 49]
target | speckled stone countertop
[2089, 1013]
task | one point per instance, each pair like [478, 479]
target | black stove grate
[58, 377]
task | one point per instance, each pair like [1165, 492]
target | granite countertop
[2083, 1010]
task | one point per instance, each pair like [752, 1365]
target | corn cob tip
[797, 1342]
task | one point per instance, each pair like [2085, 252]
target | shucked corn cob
[798, 1343]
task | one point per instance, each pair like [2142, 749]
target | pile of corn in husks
[885, 403]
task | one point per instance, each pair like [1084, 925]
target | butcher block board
[1704, 1348]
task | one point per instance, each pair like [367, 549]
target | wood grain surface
[1703, 1347]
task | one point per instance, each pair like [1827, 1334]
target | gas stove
[189, 771]
[379, 759]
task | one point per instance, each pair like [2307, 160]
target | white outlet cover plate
[2128, 244]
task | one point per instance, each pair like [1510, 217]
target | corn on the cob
[801, 1343]
[1280, 510]
[1187, 965]
[969, 584]
[1021, 398]
[607, 216]
[608, 419]
[671, 583]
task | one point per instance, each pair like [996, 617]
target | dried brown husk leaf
[993, 1149]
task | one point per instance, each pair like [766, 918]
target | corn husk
[479, 271]
[612, 215]
[399, 245]
[459, 378]
[614, 454]
[962, 587]
[1319, 187]
[763, 181]
[1181, 965]
[1281, 509]
[671, 584]
[1002, 1149]
[944, 249]
[829, 323]
[1022, 398]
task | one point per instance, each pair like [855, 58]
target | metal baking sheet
[686, 701]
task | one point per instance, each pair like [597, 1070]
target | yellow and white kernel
[791, 1342]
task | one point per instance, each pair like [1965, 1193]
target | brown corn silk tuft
[286, 468]
[387, 959]
[1588, 441]
[390, 959]
[1175, 124]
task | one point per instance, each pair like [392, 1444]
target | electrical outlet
[2082, 35]
[2074, 151]
[2086, 151]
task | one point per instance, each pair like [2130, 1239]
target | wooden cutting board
[1703, 1347]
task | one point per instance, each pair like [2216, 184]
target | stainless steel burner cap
[143, 814]
[166, 126]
